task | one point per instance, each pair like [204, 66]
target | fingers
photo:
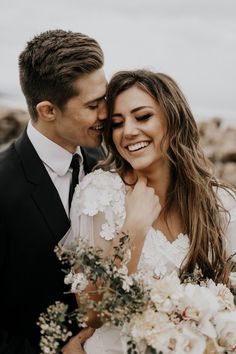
[142, 187]
[74, 346]
[140, 184]
[142, 179]
[84, 334]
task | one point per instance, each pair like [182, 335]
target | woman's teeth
[138, 146]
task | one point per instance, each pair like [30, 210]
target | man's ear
[46, 111]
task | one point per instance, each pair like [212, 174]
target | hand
[74, 346]
[142, 207]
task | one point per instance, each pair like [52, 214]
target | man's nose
[103, 110]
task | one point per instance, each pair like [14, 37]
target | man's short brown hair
[50, 64]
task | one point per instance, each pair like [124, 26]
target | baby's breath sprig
[53, 328]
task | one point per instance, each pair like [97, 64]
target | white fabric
[97, 214]
[56, 161]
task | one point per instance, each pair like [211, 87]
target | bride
[157, 186]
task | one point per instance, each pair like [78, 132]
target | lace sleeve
[97, 210]
[228, 200]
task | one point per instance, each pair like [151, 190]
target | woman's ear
[46, 111]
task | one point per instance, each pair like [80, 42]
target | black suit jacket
[32, 221]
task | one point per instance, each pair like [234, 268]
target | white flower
[127, 280]
[123, 270]
[225, 322]
[147, 326]
[127, 256]
[189, 341]
[199, 305]
[69, 278]
[223, 295]
[165, 341]
[78, 281]
[165, 292]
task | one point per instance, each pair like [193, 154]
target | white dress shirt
[56, 161]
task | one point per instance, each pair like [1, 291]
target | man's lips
[98, 127]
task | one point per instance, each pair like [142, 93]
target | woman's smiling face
[138, 127]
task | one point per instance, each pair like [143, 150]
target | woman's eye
[116, 124]
[144, 117]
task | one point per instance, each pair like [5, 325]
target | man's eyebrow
[95, 100]
[132, 111]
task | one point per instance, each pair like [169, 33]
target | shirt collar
[53, 155]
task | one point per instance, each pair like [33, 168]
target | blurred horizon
[192, 41]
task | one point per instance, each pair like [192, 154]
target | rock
[219, 145]
[12, 123]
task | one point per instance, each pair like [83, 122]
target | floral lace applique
[159, 256]
[102, 191]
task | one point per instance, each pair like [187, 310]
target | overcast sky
[192, 40]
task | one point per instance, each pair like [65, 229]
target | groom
[62, 78]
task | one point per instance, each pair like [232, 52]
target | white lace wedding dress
[97, 214]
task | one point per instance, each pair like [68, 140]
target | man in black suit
[62, 78]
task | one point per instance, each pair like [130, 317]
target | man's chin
[95, 143]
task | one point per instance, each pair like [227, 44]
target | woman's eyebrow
[132, 111]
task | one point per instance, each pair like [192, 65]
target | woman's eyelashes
[144, 117]
[116, 124]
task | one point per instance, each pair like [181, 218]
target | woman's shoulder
[97, 191]
[102, 179]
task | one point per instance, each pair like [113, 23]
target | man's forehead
[92, 94]
[96, 98]
[92, 87]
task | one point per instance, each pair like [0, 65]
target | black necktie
[75, 176]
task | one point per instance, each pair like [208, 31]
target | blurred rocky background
[219, 145]
[218, 142]
[12, 123]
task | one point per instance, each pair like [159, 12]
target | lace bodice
[159, 256]
[103, 193]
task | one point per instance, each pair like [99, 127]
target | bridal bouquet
[190, 317]
[173, 315]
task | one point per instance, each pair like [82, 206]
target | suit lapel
[91, 157]
[44, 192]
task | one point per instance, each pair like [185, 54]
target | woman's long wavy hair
[193, 188]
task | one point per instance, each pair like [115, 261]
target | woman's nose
[130, 129]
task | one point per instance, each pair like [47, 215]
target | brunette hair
[193, 188]
[50, 64]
